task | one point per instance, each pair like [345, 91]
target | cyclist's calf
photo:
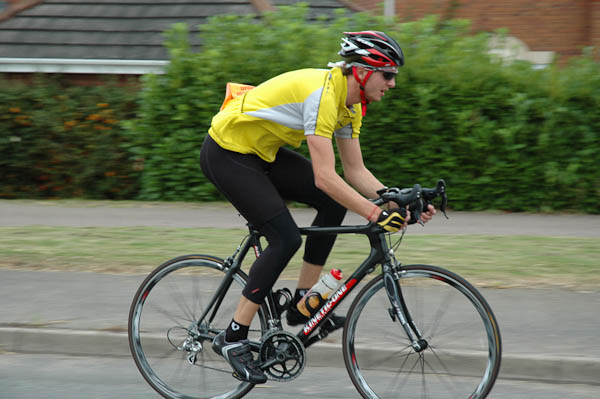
[284, 240]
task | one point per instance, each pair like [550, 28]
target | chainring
[282, 356]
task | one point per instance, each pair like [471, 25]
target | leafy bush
[503, 136]
[65, 141]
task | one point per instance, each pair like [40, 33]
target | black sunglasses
[389, 75]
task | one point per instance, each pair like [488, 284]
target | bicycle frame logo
[335, 298]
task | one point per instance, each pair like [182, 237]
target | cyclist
[244, 157]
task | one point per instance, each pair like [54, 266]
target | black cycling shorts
[258, 190]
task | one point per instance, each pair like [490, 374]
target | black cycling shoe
[239, 356]
[333, 322]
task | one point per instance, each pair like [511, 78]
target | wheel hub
[420, 345]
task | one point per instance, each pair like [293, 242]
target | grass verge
[492, 261]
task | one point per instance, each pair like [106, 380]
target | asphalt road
[25, 376]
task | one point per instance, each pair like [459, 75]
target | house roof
[116, 29]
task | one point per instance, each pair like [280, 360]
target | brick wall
[594, 28]
[563, 26]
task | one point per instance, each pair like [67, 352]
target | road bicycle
[412, 330]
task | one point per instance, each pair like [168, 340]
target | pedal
[321, 334]
[328, 327]
[237, 377]
[333, 323]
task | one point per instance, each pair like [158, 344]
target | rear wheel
[463, 345]
[170, 345]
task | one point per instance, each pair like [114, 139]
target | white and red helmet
[371, 49]
[374, 51]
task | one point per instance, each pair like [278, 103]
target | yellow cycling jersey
[283, 110]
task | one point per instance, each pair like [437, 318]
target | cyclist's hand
[394, 219]
[425, 216]
[428, 214]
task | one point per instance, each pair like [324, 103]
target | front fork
[399, 311]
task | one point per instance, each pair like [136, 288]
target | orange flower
[110, 174]
[93, 117]
[22, 120]
[70, 123]
[14, 110]
[102, 105]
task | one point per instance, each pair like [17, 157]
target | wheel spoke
[179, 299]
[163, 333]
[450, 384]
[452, 317]
[174, 319]
[438, 318]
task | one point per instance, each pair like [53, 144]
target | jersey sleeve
[320, 111]
[351, 129]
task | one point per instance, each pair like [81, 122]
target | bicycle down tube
[377, 255]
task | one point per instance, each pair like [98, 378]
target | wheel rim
[464, 343]
[163, 335]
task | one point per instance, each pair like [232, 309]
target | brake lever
[443, 205]
[420, 204]
[441, 189]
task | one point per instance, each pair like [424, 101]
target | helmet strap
[363, 98]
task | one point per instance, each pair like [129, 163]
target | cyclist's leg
[293, 175]
[243, 179]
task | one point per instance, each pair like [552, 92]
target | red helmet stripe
[376, 34]
[367, 32]
[385, 59]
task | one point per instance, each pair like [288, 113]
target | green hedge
[503, 136]
[62, 141]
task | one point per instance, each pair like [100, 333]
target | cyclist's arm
[327, 179]
[360, 177]
[355, 171]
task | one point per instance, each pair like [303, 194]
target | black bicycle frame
[380, 254]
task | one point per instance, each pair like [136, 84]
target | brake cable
[395, 246]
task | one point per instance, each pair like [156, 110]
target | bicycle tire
[163, 313]
[464, 353]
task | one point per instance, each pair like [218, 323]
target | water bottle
[324, 287]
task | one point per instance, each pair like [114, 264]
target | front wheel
[169, 342]
[463, 353]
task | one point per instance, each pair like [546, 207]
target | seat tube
[234, 262]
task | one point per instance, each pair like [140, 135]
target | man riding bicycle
[244, 157]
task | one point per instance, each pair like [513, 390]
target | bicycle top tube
[358, 229]
[367, 229]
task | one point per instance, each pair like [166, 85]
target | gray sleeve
[344, 132]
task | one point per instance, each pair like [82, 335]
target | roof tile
[112, 29]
